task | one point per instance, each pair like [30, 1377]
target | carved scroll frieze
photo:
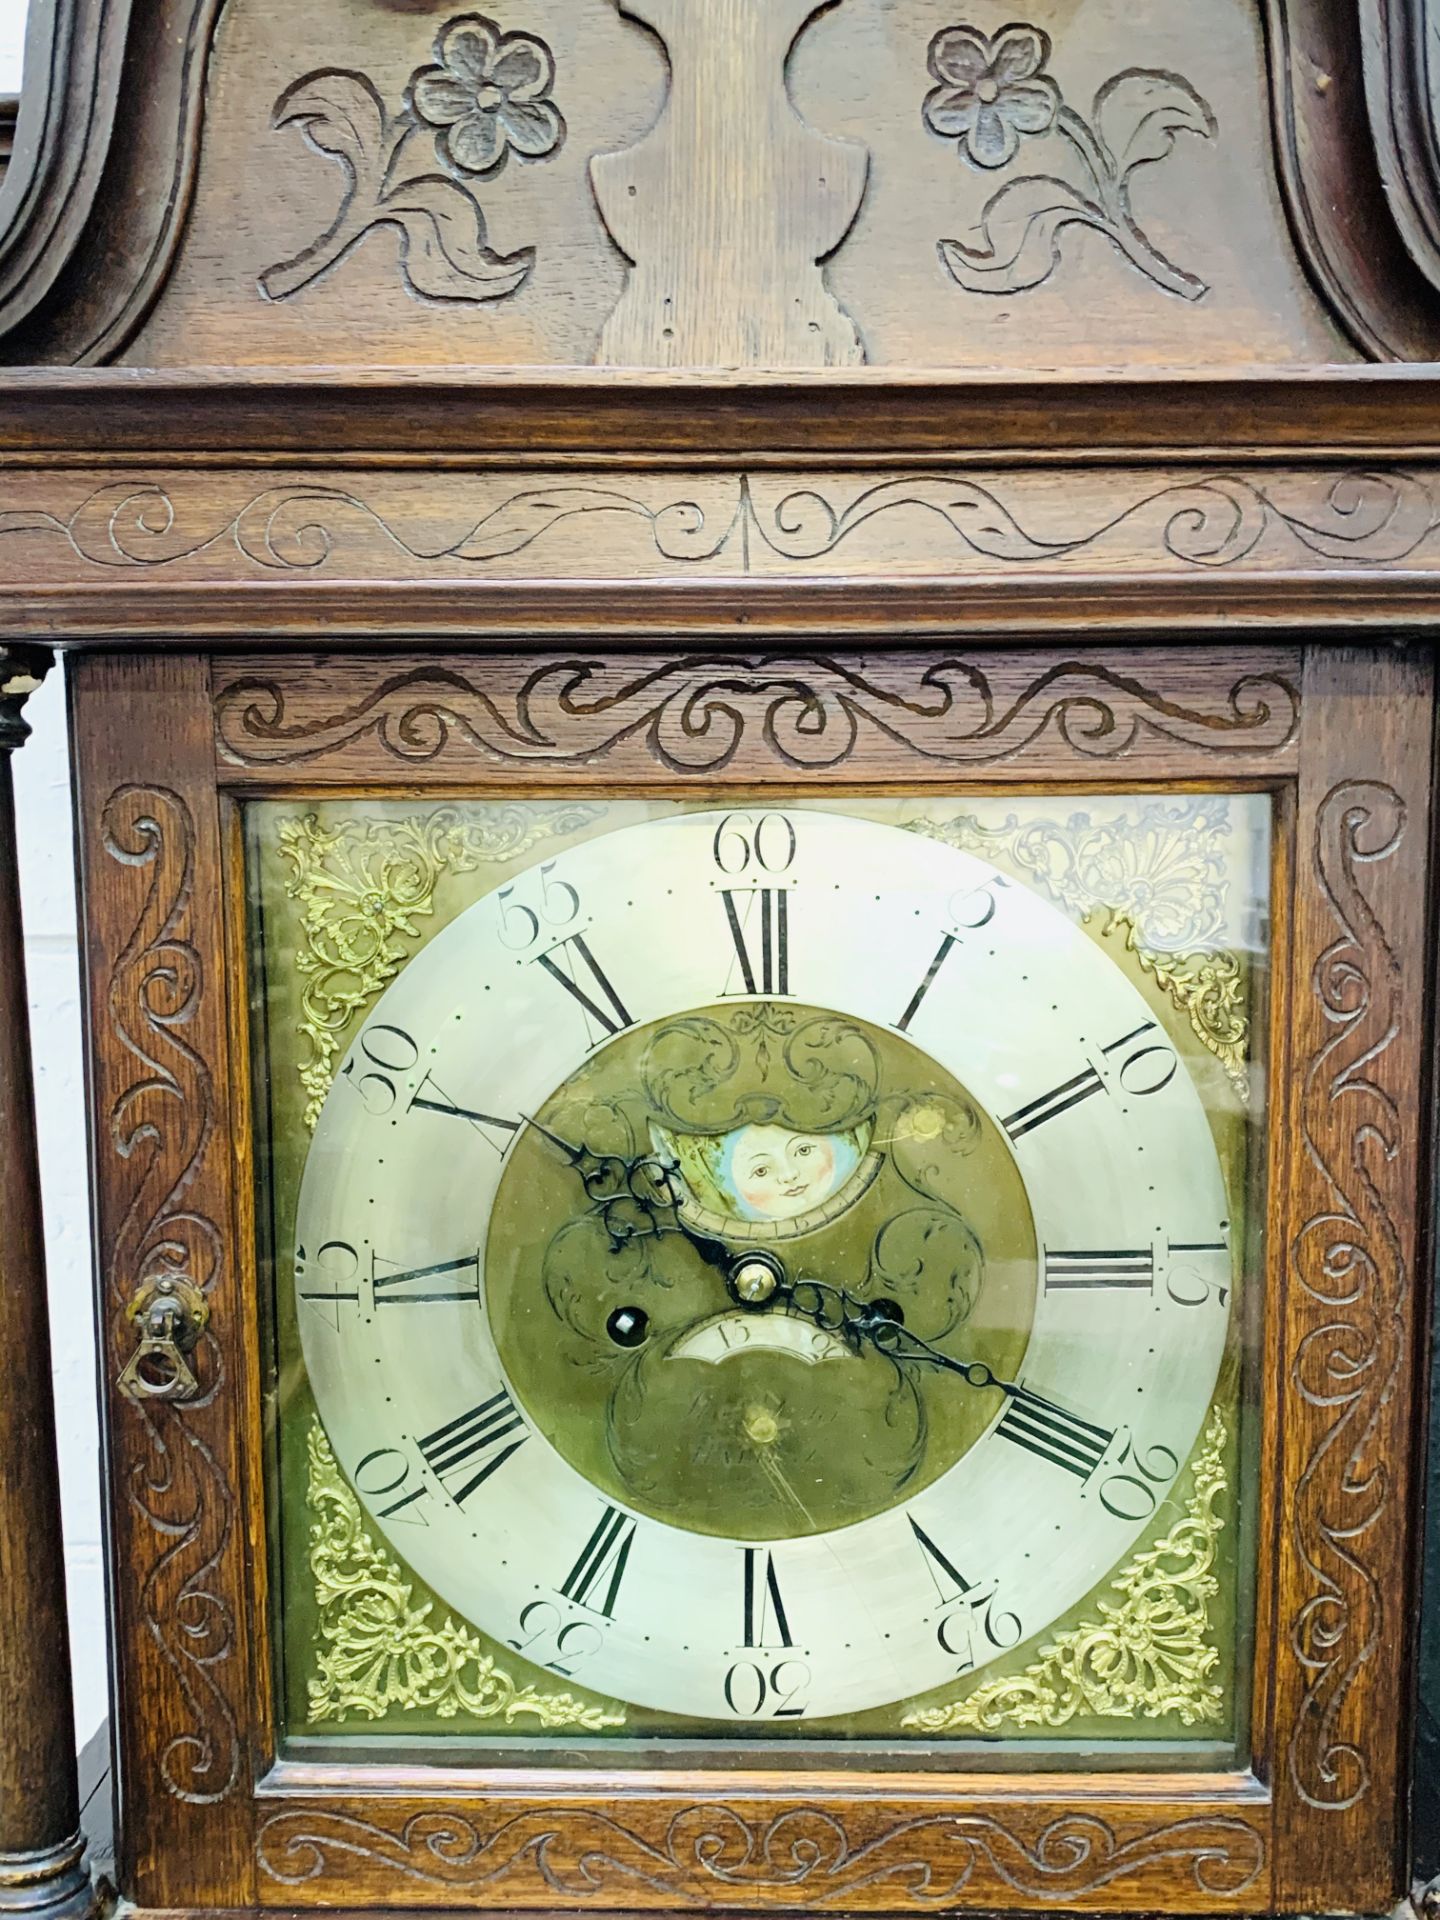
[758, 1855]
[728, 205]
[160, 1124]
[1356, 1120]
[799, 714]
[972, 523]
[1348, 1259]
[992, 95]
[487, 95]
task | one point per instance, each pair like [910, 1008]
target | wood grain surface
[158, 1041]
[800, 717]
[871, 1849]
[377, 505]
[727, 206]
[526, 416]
[1341, 734]
[1345, 1417]
[1215, 186]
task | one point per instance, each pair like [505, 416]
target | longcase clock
[753, 709]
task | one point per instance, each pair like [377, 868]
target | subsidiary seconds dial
[762, 1265]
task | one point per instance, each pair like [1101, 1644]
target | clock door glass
[758, 1270]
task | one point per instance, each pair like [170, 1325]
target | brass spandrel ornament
[366, 888]
[1147, 1651]
[1154, 875]
[380, 1651]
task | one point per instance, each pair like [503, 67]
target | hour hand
[635, 1194]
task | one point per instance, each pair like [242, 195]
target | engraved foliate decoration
[487, 94]
[992, 95]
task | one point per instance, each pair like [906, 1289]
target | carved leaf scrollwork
[717, 1854]
[1353, 516]
[161, 1124]
[806, 712]
[991, 94]
[1349, 1261]
[487, 95]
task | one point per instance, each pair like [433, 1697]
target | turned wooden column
[42, 1864]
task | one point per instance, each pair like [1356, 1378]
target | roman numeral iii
[1089, 1268]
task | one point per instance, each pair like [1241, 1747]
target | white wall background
[42, 783]
[12, 32]
[47, 888]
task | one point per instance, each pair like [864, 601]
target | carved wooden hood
[796, 184]
[687, 304]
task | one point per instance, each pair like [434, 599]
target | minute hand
[875, 1323]
[1050, 1432]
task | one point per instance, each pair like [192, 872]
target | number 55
[520, 926]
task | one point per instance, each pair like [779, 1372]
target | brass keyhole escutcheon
[170, 1314]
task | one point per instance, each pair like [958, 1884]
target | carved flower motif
[488, 92]
[991, 91]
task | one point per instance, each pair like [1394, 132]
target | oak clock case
[763, 1269]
